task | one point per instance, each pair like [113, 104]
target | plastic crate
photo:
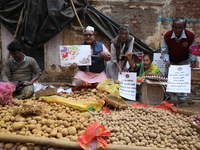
[195, 49]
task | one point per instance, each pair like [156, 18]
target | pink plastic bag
[6, 89]
[92, 139]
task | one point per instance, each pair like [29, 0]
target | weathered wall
[150, 19]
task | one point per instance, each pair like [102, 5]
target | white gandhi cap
[89, 28]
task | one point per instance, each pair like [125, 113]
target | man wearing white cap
[94, 73]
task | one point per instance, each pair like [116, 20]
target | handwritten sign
[159, 62]
[179, 79]
[127, 85]
[79, 54]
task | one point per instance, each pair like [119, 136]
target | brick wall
[189, 9]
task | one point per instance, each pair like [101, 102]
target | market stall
[59, 123]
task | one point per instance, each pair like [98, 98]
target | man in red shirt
[175, 49]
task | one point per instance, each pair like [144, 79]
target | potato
[152, 135]
[72, 130]
[53, 132]
[197, 146]
[49, 122]
[18, 125]
[74, 138]
[8, 146]
[2, 145]
[23, 148]
[59, 135]
[86, 115]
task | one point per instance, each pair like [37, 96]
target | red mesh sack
[6, 89]
[92, 138]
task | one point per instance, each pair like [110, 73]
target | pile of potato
[136, 126]
[152, 127]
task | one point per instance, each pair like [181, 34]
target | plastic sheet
[82, 105]
[109, 86]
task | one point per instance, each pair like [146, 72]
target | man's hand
[120, 70]
[192, 65]
[73, 66]
[167, 64]
[105, 56]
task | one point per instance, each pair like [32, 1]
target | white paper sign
[79, 54]
[127, 85]
[179, 79]
[158, 61]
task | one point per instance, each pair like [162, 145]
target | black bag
[19, 86]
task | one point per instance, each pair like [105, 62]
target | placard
[179, 79]
[158, 61]
[127, 85]
[80, 54]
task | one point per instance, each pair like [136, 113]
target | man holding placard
[175, 49]
[94, 73]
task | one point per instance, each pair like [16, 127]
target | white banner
[179, 79]
[158, 61]
[80, 54]
[127, 85]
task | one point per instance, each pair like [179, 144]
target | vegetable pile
[134, 126]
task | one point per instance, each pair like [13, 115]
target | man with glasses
[94, 73]
[175, 50]
[120, 45]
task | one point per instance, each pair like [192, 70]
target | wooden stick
[73, 7]
[17, 29]
[6, 137]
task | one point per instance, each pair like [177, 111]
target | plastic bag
[6, 89]
[92, 139]
[81, 105]
[109, 86]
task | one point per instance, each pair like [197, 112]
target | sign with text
[179, 79]
[158, 61]
[79, 54]
[127, 85]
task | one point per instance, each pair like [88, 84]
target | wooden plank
[6, 137]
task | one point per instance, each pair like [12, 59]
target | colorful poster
[80, 54]
[127, 85]
[179, 79]
[158, 61]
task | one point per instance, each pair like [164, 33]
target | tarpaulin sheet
[42, 20]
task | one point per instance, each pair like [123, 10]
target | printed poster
[127, 85]
[79, 54]
[158, 61]
[179, 79]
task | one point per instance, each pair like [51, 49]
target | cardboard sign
[158, 61]
[127, 85]
[80, 54]
[179, 79]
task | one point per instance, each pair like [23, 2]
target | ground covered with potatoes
[134, 126]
